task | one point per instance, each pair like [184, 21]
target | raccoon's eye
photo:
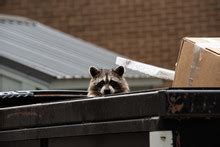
[114, 84]
[100, 84]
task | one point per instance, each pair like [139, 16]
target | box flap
[211, 44]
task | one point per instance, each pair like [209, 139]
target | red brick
[148, 31]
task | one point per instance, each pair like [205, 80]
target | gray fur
[107, 81]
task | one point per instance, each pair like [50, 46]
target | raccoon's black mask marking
[107, 81]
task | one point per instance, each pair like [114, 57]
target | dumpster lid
[16, 98]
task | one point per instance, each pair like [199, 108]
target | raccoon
[107, 81]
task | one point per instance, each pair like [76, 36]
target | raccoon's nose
[107, 91]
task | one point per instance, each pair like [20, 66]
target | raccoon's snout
[107, 91]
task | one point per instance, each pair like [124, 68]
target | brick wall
[145, 30]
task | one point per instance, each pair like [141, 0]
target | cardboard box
[198, 63]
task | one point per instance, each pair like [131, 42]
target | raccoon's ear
[93, 71]
[119, 70]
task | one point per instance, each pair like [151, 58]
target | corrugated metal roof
[51, 51]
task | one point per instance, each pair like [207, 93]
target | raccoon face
[107, 81]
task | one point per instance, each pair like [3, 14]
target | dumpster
[183, 117]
